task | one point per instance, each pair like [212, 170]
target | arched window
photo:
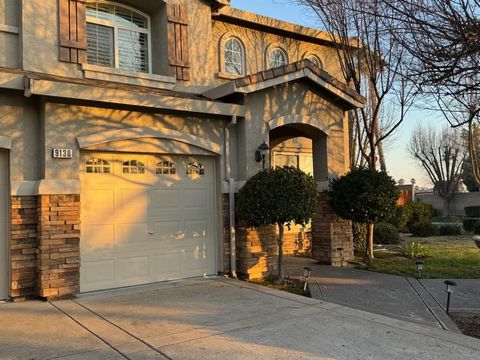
[97, 166]
[234, 57]
[133, 167]
[315, 60]
[195, 168]
[165, 168]
[278, 57]
[118, 36]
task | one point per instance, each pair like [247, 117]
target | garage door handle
[151, 233]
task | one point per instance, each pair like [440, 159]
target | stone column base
[329, 232]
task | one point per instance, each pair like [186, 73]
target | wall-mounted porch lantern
[260, 153]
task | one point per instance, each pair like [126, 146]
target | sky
[399, 163]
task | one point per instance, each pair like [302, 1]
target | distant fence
[460, 200]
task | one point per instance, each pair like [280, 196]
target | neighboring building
[126, 127]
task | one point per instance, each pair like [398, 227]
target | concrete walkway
[215, 319]
[420, 301]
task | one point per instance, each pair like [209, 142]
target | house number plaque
[62, 153]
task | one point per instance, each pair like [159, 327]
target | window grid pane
[100, 45]
[234, 56]
[278, 58]
[128, 30]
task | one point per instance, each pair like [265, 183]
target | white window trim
[242, 47]
[115, 27]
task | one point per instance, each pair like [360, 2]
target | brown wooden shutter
[178, 51]
[73, 37]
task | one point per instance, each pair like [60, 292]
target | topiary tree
[364, 196]
[279, 196]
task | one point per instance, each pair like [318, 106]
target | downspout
[231, 193]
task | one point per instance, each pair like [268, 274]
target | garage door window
[133, 167]
[195, 168]
[97, 166]
[165, 168]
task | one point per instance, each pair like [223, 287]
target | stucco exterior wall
[20, 121]
[75, 121]
[9, 33]
[258, 45]
[294, 98]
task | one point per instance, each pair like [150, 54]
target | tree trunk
[369, 245]
[281, 229]
[446, 206]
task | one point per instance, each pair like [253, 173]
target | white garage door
[145, 218]
[3, 224]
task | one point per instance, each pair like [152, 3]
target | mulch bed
[468, 323]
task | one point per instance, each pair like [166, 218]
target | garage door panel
[164, 199]
[130, 268]
[130, 235]
[97, 238]
[167, 231]
[164, 266]
[195, 199]
[141, 228]
[98, 272]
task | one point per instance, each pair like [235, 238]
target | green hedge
[424, 230]
[449, 229]
[469, 224]
[386, 234]
[472, 211]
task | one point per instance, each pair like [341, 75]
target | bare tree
[372, 64]
[442, 41]
[441, 154]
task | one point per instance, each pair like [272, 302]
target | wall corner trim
[5, 142]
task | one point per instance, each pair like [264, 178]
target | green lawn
[449, 257]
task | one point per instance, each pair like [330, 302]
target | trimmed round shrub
[476, 228]
[450, 230]
[472, 211]
[469, 224]
[418, 212]
[386, 234]
[424, 230]
[399, 218]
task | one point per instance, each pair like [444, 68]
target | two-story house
[126, 127]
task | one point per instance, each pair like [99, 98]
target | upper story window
[234, 57]
[118, 36]
[315, 60]
[278, 57]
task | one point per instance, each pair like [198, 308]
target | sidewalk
[399, 297]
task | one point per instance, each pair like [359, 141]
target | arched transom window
[118, 36]
[165, 168]
[97, 166]
[133, 167]
[195, 168]
[234, 57]
[278, 57]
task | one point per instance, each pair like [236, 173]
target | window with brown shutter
[178, 51]
[73, 40]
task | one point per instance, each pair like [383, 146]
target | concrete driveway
[215, 319]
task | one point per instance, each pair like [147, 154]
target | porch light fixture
[260, 154]
[420, 266]
[449, 290]
[306, 275]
